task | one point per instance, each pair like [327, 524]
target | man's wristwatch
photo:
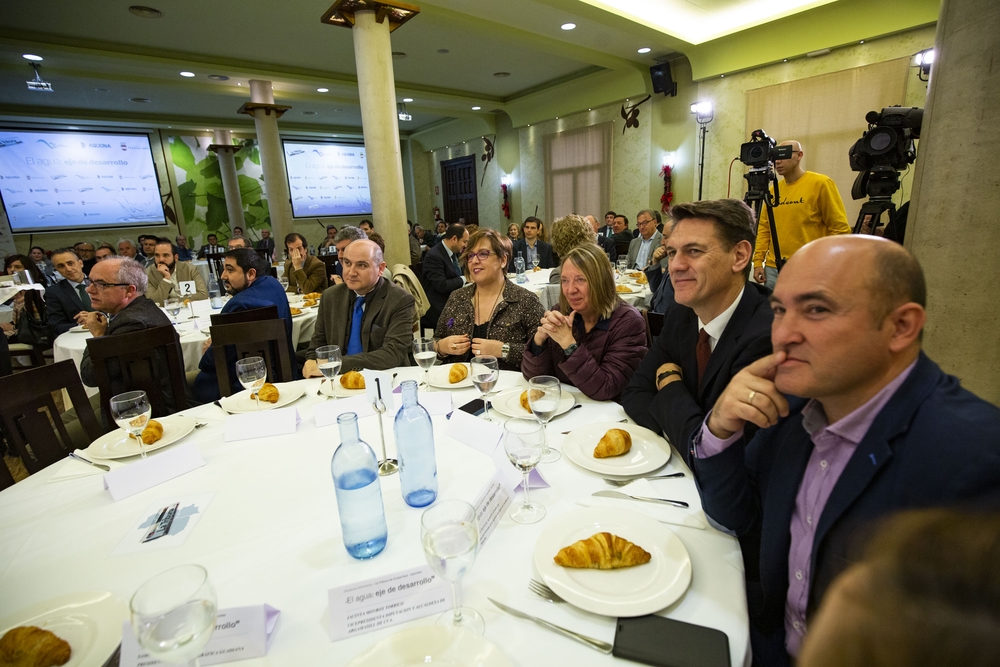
[665, 374]
[505, 350]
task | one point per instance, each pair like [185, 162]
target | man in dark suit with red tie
[66, 301]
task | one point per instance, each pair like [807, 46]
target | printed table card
[491, 504]
[251, 425]
[240, 633]
[166, 523]
[147, 473]
[326, 413]
[385, 601]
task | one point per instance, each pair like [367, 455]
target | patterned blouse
[514, 321]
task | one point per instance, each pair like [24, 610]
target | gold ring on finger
[750, 399]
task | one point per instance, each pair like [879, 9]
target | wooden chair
[331, 265]
[654, 322]
[33, 303]
[138, 360]
[6, 479]
[32, 422]
[241, 316]
[264, 338]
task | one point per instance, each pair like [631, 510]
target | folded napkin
[662, 513]
[71, 468]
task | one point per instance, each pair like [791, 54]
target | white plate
[338, 390]
[298, 314]
[79, 329]
[437, 376]
[509, 403]
[90, 622]
[629, 591]
[241, 402]
[649, 451]
[115, 445]
[433, 645]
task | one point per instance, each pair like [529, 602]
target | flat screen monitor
[53, 180]
[327, 179]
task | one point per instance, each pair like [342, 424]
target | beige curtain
[827, 115]
[577, 171]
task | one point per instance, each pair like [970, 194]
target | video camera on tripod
[885, 148]
[759, 154]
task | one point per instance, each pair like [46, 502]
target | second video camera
[761, 150]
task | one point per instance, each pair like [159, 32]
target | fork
[543, 591]
[623, 482]
[620, 421]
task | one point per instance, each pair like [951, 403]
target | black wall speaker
[662, 81]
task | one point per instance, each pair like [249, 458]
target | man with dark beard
[166, 276]
[247, 278]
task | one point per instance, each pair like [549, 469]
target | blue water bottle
[415, 447]
[359, 494]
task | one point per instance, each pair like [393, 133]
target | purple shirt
[833, 446]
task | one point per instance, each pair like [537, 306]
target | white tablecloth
[193, 333]
[271, 534]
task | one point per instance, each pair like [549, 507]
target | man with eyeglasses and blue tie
[368, 317]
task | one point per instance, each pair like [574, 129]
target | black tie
[84, 297]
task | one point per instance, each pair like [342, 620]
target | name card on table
[240, 633]
[326, 413]
[386, 601]
[435, 402]
[250, 425]
[481, 435]
[157, 469]
[491, 505]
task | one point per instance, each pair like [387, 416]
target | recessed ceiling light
[645, 49]
[785, 60]
[322, 90]
[476, 108]
[187, 74]
[32, 57]
[568, 26]
[443, 51]
[407, 99]
[398, 54]
[145, 12]
[501, 75]
[557, 117]
[861, 42]
[73, 127]
[140, 100]
[722, 76]
[238, 83]
[218, 77]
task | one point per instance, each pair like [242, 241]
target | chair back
[404, 278]
[251, 315]
[654, 325]
[331, 264]
[139, 360]
[6, 478]
[215, 262]
[32, 422]
[265, 338]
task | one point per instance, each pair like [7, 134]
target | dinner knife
[625, 496]
[595, 644]
[74, 455]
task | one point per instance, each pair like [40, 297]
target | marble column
[265, 116]
[952, 226]
[225, 150]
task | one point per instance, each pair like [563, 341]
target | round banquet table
[548, 294]
[71, 345]
[271, 535]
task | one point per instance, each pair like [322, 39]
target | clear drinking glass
[329, 362]
[284, 282]
[252, 374]
[424, 355]
[622, 266]
[523, 443]
[450, 536]
[485, 373]
[544, 392]
[131, 411]
[172, 306]
[534, 262]
[173, 614]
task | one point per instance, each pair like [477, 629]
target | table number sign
[187, 288]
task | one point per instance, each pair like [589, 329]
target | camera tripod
[758, 196]
[882, 182]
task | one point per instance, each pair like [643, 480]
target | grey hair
[128, 241]
[349, 233]
[648, 211]
[131, 272]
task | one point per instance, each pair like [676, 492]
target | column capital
[249, 107]
[342, 12]
[216, 148]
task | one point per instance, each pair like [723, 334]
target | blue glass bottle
[359, 494]
[415, 448]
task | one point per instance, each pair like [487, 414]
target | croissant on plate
[613, 443]
[313, 296]
[309, 303]
[295, 311]
[152, 432]
[457, 373]
[623, 289]
[352, 380]
[603, 551]
[535, 395]
[268, 393]
[33, 647]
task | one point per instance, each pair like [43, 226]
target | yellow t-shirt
[810, 208]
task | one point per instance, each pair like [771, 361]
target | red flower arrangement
[505, 206]
[668, 196]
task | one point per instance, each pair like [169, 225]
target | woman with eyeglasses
[491, 316]
[594, 340]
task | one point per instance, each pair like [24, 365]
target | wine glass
[523, 443]
[534, 262]
[172, 306]
[485, 373]
[622, 266]
[424, 355]
[450, 535]
[284, 282]
[544, 393]
[131, 411]
[173, 614]
[252, 374]
[329, 361]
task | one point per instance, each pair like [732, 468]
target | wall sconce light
[668, 160]
[507, 180]
[403, 114]
[703, 112]
[923, 61]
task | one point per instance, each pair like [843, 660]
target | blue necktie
[354, 342]
[454, 260]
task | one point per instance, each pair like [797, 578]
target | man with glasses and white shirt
[640, 250]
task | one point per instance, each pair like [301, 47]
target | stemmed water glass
[131, 411]
[450, 535]
[544, 393]
[252, 374]
[424, 355]
[622, 266]
[172, 306]
[173, 614]
[534, 262]
[485, 373]
[329, 361]
[523, 443]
